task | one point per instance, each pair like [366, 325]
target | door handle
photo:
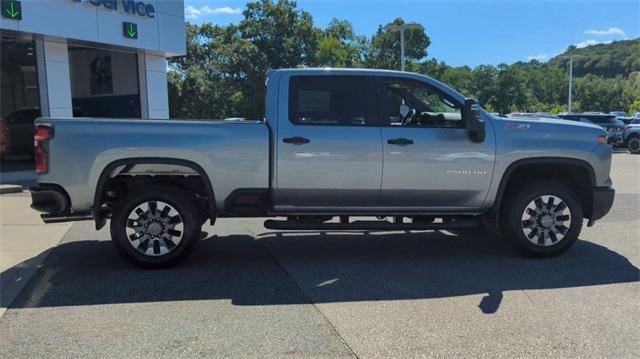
[298, 140]
[400, 141]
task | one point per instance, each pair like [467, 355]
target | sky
[468, 32]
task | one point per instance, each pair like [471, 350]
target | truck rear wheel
[156, 227]
[542, 218]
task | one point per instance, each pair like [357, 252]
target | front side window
[329, 100]
[413, 103]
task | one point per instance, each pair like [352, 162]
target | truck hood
[551, 122]
[546, 133]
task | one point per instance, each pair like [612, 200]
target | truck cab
[401, 138]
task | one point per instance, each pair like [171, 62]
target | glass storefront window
[20, 104]
[104, 83]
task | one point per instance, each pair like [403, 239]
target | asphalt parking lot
[249, 292]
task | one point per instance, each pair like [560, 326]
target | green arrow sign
[130, 30]
[12, 9]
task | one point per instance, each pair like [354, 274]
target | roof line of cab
[380, 72]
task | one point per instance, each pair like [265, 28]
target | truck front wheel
[155, 227]
[541, 218]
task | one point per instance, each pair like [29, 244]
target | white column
[54, 79]
[155, 87]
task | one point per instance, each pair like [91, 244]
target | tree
[459, 78]
[634, 106]
[384, 49]
[340, 47]
[510, 92]
[282, 33]
[484, 84]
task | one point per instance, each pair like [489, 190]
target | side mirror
[475, 124]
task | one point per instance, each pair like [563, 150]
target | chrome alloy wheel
[546, 220]
[154, 228]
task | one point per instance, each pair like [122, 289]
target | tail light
[5, 139]
[43, 134]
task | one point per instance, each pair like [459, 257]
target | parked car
[618, 113]
[316, 163]
[626, 120]
[531, 115]
[18, 131]
[613, 126]
[632, 138]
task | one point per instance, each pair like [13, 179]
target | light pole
[402, 28]
[570, 79]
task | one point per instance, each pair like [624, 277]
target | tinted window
[329, 100]
[414, 103]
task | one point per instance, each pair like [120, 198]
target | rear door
[329, 150]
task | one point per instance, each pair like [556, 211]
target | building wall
[55, 82]
[58, 23]
[156, 86]
[163, 33]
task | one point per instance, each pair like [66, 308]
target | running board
[55, 218]
[370, 225]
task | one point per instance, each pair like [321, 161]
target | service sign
[131, 7]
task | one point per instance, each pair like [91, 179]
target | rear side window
[330, 100]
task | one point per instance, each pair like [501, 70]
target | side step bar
[55, 218]
[370, 225]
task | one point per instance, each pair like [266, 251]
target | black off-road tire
[513, 221]
[182, 202]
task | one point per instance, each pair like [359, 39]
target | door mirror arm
[475, 124]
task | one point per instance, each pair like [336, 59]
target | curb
[10, 188]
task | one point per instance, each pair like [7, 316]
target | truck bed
[233, 154]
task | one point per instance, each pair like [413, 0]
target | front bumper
[603, 198]
[616, 139]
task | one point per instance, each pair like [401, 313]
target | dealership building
[85, 58]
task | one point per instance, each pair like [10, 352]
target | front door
[329, 150]
[429, 160]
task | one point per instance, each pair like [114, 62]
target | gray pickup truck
[338, 150]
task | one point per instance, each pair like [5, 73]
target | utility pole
[570, 100]
[402, 28]
[570, 83]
